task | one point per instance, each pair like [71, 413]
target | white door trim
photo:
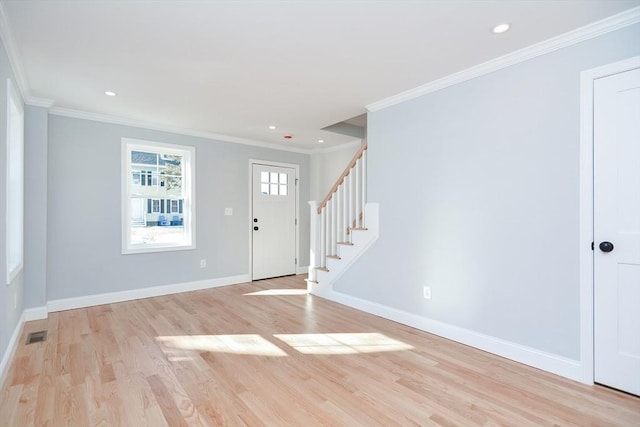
[586, 207]
[250, 218]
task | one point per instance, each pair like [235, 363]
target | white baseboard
[555, 364]
[113, 297]
[11, 350]
[302, 270]
[36, 313]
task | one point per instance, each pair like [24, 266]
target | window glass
[158, 199]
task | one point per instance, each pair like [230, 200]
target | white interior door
[274, 221]
[617, 231]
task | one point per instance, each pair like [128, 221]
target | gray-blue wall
[478, 186]
[35, 206]
[84, 234]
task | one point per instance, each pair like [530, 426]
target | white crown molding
[615, 22]
[338, 147]
[39, 102]
[78, 114]
[12, 53]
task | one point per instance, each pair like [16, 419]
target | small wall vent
[34, 337]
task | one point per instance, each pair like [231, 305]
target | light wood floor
[227, 357]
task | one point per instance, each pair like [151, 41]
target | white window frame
[14, 184]
[169, 208]
[188, 154]
[153, 208]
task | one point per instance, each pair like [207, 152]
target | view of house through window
[158, 201]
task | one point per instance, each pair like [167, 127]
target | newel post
[314, 240]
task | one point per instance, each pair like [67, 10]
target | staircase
[138, 222]
[343, 226]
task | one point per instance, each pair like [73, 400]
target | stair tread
[311, 281]
[359, 228]
[322, 269]
[334, 256]
[344, 243]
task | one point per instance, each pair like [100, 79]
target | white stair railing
[341, 212]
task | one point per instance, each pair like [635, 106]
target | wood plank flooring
[267, 354]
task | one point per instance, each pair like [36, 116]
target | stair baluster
[340, 212]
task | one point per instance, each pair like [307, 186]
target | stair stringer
[361, 239]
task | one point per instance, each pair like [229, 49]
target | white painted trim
[339, 147]
[529, 356]
[615, 22]
[189, 153]
[36, 313]
[133, 294]
[11, 350]
[12, 53]
[297, 203]
[39, 102]
[302, 270]
[362, 240]
[15, 159]
[587, 79]
[77, 114]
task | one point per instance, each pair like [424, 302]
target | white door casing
[616, 134]
[273, 221]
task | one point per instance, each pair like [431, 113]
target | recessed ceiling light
[272, 127]
[109, 93]
[501, 28]
[321, 141]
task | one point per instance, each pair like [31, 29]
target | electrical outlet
[228, 211]
[203, 263]
[426, 292]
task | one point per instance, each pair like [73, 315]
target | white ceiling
[235, 67]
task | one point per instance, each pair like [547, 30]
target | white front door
[273, 221]
[138, 212]
[617, 231]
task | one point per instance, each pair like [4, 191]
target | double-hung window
[158, 197]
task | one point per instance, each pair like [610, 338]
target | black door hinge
[592, 246]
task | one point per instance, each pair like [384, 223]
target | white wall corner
[12, 53]
[7, 357]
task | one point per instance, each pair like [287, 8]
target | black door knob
[255, 228]
[606, 246]
[255, 219]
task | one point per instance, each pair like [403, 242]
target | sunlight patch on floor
[346, 343]
[250, 344]
[280, 292]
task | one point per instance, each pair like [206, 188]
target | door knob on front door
[606, 246]
[255, 228]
